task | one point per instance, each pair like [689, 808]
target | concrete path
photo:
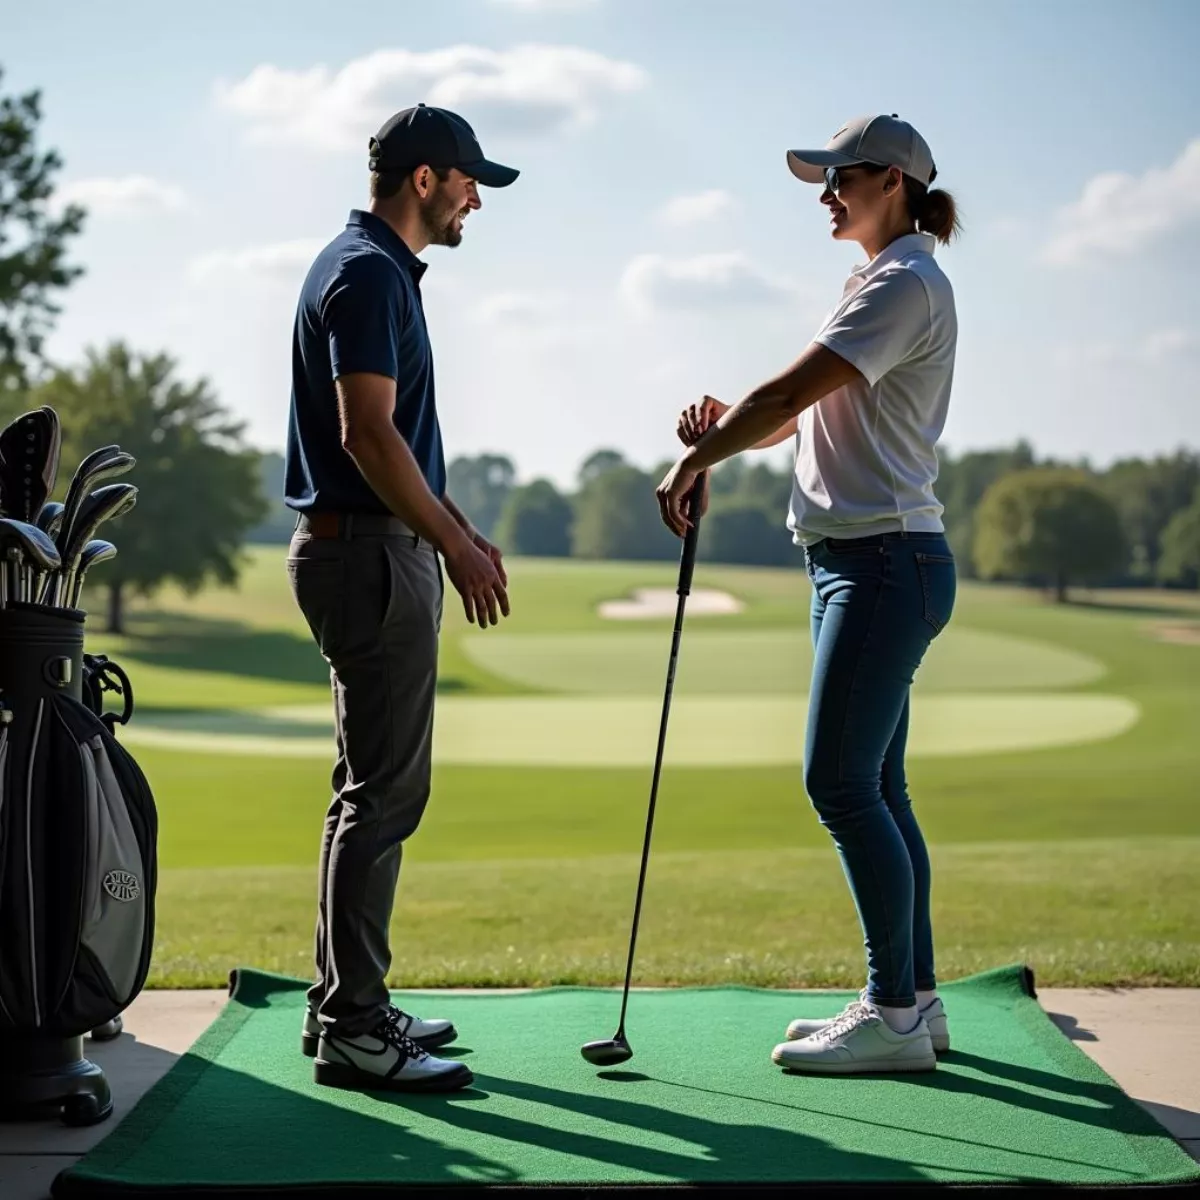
[1148, 1040]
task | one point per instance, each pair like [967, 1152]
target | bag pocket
[114, 917]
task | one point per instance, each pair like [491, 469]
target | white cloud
[129, 196]
[1119, 213]
[541, 319]
[529, 89]
[279, 262]
[654, 283]
[1159, 348]
[691, 210]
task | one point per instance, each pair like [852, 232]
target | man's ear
[420, 181]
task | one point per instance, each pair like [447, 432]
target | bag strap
[98, 678]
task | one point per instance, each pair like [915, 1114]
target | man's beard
[438, 219]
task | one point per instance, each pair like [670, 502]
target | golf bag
[78, 834]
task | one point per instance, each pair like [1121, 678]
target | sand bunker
[661, 602]
[1178, 635]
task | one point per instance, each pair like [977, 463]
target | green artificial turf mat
[1014, 1102]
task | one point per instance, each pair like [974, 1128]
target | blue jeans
[877, 604]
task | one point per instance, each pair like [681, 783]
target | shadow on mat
[729, 1151]
[273, 1135]
[891, 1126]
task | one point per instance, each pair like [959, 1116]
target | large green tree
[33, 246]
[1179, 557]
[1047, 525]
[1148, 494]
[536, 520]
[199, 488]
[743, 532]
[479, 485]
[617, 516]
[961, 484]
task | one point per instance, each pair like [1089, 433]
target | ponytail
[933, 211]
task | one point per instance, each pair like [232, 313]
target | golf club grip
[687, 560]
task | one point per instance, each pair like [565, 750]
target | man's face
[446, 205]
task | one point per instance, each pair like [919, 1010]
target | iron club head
[609, 1052]
[103, 463]
[102, 505]
[96, 551]
[49, 520]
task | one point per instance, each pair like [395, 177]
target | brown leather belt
[348, 525]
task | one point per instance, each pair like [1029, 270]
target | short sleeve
[363, 312]
[883, 323]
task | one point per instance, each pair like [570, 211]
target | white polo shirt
[865, 459]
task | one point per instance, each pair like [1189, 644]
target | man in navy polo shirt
[366, 473]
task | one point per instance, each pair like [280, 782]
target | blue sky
[655, 247]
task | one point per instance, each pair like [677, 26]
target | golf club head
[103, 463]
[607, 1053]
[49, 520]
[102, 505]
[33, 542]
[96, 551]
[29, 450]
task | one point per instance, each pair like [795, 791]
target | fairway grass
[1105, 912]
[1055, 767]
[622, 731]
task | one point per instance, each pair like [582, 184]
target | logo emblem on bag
[122, 885]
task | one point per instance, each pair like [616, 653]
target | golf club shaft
[687, 562]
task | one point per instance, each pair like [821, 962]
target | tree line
[207, 493]
[1009, 515]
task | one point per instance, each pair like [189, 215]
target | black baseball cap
[436, 137]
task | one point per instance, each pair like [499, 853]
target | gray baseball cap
[885, 141]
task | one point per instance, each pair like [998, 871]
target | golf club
[96, 551]
[29, 449]
[102, 505]
[610, 1052]
[103, 463]
[23, 543]
[49, 520]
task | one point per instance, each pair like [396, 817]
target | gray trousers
[373, 602]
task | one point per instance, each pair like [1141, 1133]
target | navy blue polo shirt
[359, 310]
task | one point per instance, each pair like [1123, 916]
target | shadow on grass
[175, 640]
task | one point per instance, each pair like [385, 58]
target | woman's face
[858, 206]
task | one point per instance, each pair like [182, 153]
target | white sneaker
[806, 1026]
[427, 1034]
[859, 1042]
[934, 1014]
[385, 1060]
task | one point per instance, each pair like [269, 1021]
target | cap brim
[490, 174]
[809, 165]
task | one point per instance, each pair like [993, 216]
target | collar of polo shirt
[923, 243]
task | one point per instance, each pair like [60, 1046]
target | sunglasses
[834, 181]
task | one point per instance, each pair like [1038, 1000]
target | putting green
[622, 731]
[758, 661]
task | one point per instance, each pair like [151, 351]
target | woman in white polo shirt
[866, 402]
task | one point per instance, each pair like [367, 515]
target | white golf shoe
[428, 1034]
[385, 1060]
[934, 1014]
[859, 1042]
